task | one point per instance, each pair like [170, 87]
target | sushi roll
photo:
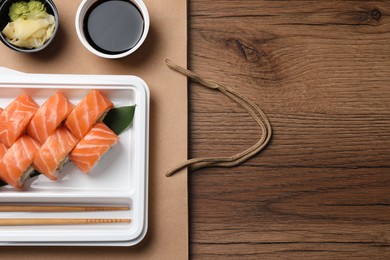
[92, 147]
[91, 109]
[3, 149]
[54, 153]
[15, 167]
[15, 118]
[49, 116]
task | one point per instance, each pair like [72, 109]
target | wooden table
[321, 72]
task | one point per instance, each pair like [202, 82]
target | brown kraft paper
[167, 236]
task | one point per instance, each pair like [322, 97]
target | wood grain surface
[321, 72]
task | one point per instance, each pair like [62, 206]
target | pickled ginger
[30, 27]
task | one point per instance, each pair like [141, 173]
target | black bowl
[4, 20]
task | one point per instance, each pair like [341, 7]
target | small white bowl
[79, 22]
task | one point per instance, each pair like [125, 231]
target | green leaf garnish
[117, 119]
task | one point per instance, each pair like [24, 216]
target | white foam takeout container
[120, 177]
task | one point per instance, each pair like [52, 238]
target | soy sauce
[113, 26]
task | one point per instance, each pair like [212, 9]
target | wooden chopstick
[28, 208]
[58, 221]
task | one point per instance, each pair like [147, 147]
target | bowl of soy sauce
[112, 28]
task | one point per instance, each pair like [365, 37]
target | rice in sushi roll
[49, 116]
[92, 147]
[54, 153]
[15, 118]
[89, 111]
[15, 167]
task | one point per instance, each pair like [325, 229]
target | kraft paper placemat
[167, 236]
